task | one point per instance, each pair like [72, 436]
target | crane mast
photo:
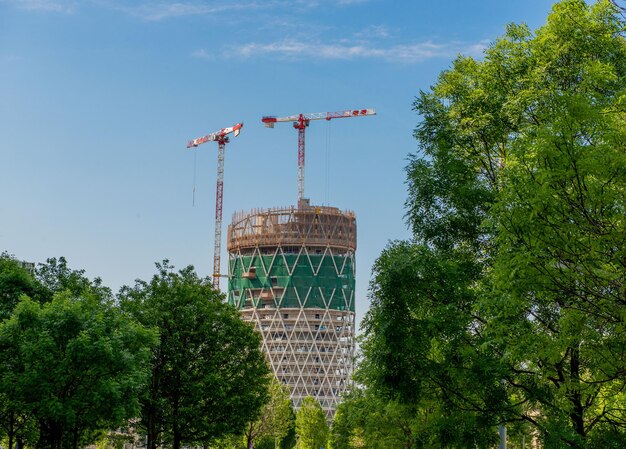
[221, 137]
[300, 123]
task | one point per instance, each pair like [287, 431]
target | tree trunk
[151, 433]
[578, 411]
[250, 437]
[177, 437]
[11, 429]
[149, 408]
[50, 435]
[75, 438]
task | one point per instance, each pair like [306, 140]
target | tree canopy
[275, 419]
[208, 374]
[68, 367]
[76, 362]
[15, 281]
[508, 304]
[311, 426]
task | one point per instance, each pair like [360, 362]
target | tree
[289, 440]
[15, 281]
[365, 419]
[350, 420]
[275, 418]
[311, 426]
[508, 304]
[559, 275]
[55, 276]
[73, 365]
[208, 374]
[420, 346]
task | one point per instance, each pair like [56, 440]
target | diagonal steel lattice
[292, 274]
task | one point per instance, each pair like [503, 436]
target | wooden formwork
[293, 226]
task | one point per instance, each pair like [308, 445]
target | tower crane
[221, 137]
[300, 122]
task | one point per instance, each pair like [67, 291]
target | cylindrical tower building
[291, 273]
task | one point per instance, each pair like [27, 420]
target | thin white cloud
[164, 10]
[157, 11]
[378, 31]
[406, 53]
[61, 6]
[203, 54]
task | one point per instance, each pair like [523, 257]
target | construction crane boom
[216, 136]
[221, 137]
[300, 122]
[270, 120]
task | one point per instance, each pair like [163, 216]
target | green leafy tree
[73, 365]
[289, 440]
[420, 345]
[56, 276]
[227, 442]
[275, 419]
[208, 374]
[311, 426]
[507, 305]
[366, 420]
[15, 281]
[348, 426]
[557, 310]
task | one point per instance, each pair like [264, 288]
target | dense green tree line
[165, 356]
[507, 307]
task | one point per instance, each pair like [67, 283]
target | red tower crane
[221, 137]
[300, 122]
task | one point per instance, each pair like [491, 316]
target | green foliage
[227, 442]
[289, 440]
[507, 306]
[208, 374]
[15, 281]
[367, 420]
[73, 365]
[275, 420]
[311, 426]
[55, 276]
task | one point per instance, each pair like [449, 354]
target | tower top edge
[293, 226]
[303, 208]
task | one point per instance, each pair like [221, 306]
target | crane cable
[193, 195]
[327, 168]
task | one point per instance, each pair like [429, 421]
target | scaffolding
[291, 273]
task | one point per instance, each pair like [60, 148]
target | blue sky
[99, 97]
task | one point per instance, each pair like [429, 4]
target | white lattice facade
[292, 275]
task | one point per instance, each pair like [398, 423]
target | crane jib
[269, 120]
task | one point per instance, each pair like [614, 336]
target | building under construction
[291, 273]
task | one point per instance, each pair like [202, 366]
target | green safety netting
[293, 280]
